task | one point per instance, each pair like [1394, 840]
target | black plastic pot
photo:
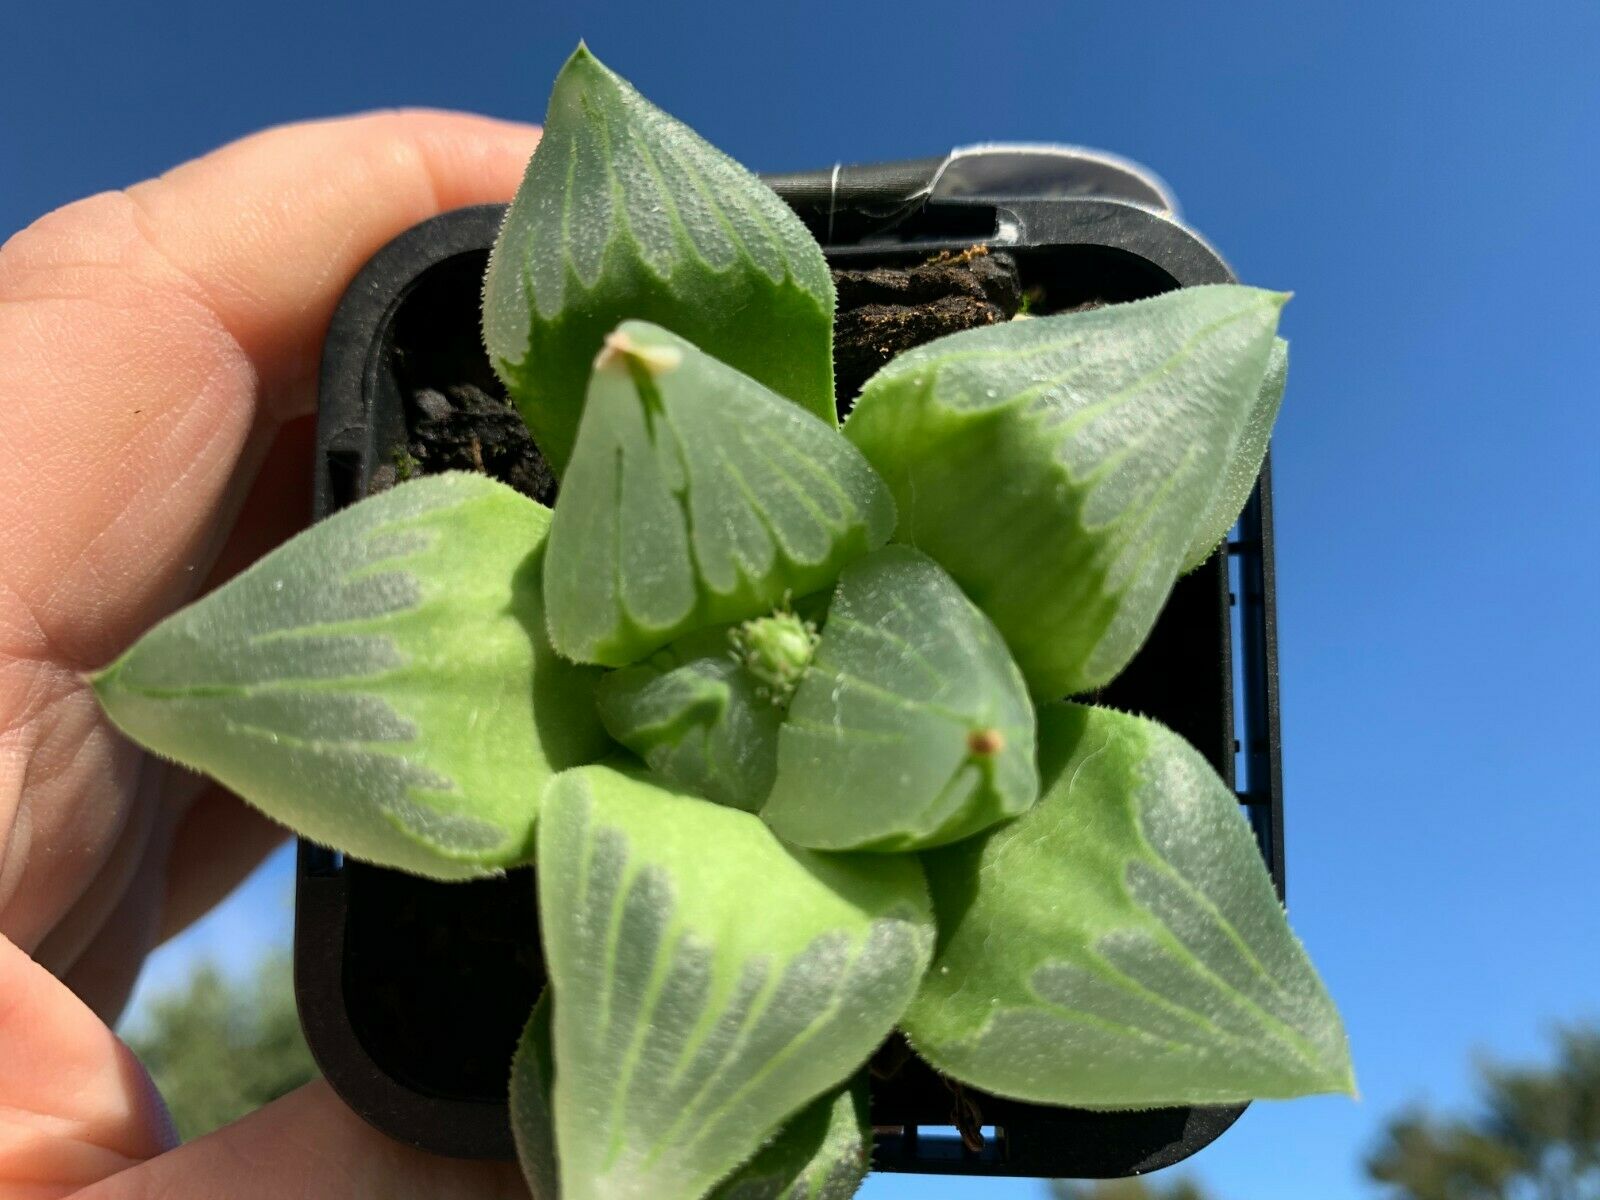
[412, 993]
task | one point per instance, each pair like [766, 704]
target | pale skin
[158, 355]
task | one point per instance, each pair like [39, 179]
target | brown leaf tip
[985, 742]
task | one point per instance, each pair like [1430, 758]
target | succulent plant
[775, 708]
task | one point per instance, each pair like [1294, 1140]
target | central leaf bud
[775, 649]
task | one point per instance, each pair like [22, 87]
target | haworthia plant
[626, 212]
[381, 684]
[698, 718]
[1062, 468]
[826, 724]
[1244, 465]
[695, 497]
[709, 981]
[821, 1153]
[912, 726]
[1121, 945]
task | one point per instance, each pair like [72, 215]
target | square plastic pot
[412, 993]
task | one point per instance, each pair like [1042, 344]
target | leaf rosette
[733, 927]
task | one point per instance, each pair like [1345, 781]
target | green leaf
[533, 1073]
[913, 726]
[709, 981]
[1120, 945]
[696, 497]
[1245, 463]
[381, 684]
[625, 212]
[821, 1154]
[1060, 468]
[698, 718]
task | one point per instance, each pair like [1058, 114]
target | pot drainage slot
[928, 1145]
[344, 479]
[1236, 634]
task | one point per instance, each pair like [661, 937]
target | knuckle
[95, 231]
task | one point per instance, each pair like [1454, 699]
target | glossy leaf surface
[1120, 945]
[381, 684]
[625, 212]
[708, 980]
[1244, 465]
[1061, 468]
[696, 497]
[912, 726]
[697, 718]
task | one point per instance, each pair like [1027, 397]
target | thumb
[75, 1105]
[79, 1117]
[309, 1145]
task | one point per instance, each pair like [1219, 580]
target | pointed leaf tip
[621, 351]
[697, 497]
[912, 727]
[1244, 463]
[1060, 468]
[625, 212]
[1128, 909]
[380, 684]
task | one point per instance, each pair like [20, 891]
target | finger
[105, 972]
[278, 505]
[308, 1145]
[152, 334]
[220, 840]
[102, 894]
[75, 1105]
[143, 898]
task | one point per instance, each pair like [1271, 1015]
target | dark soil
[469, 428]
[884, 311]
[465, 423]
[459, 418]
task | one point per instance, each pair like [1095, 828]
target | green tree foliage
[220, 1048]
[1534, 1135]
[1127, 1189]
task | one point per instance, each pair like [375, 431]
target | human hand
[158, 359]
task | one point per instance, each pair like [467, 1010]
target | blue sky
[1419, 174]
